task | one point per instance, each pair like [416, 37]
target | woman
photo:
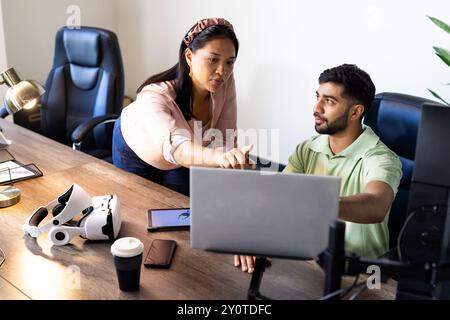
[181, 111]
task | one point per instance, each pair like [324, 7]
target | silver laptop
[247, 212]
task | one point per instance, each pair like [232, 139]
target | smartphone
[160, 254]
[168, 219]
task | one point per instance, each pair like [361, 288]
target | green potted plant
[441, 53]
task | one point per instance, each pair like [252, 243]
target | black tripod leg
[255, 283]
[334, 258]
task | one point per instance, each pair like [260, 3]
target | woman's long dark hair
[180, 71]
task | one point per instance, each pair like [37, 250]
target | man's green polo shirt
[366, 159]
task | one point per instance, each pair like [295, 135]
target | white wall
[285, 45]
[30, 27]
[3, 61]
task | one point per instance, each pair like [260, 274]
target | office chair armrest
[84, 128]
[265, 164]
[3, 112]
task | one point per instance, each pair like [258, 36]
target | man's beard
[339, 125]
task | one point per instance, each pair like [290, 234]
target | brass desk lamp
[22, 94]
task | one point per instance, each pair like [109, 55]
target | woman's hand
[247, 263]
[236, 158]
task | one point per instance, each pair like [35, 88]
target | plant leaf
[438, 97]
[440, 24]
[443, 54]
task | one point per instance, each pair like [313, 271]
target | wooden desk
[34, 269]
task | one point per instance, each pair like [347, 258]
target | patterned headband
[202, 25]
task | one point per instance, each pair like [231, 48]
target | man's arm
[370, 206]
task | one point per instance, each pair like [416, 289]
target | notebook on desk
[246, 212]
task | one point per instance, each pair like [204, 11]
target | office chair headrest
[395, 118]
[82, 47]
[88, 55]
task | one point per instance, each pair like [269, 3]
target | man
[370, 172]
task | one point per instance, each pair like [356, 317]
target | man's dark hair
[357, 83]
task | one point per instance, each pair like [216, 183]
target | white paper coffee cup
[127, 253]
[127, 247]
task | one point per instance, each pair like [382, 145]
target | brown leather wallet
[160, 253]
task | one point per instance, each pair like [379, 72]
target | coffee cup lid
[127, 247]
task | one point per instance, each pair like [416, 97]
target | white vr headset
[100, 217]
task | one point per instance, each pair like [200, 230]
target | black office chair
[395, 118]
[84, 89]
[268, 165]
